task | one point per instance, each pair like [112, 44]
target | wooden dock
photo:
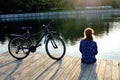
[40, 67]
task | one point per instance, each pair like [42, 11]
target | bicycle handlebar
[44, 26]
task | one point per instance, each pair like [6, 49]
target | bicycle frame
[29, 37]
[44, 33]
[47, 34]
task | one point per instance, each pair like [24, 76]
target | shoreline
[58, 15]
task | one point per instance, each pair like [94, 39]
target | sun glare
[111, 42]
[90, 2]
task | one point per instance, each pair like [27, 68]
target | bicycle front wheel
[18, 47]
[55, 47]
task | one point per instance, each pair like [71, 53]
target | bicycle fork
[53, 43]
[51, 38]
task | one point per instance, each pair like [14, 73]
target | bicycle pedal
[28, 52]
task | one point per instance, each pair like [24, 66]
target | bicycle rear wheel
[55, 47]
[19, 48]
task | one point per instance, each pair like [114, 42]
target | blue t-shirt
[89, 50]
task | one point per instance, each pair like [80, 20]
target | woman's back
[88, 47]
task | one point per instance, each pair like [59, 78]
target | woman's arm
[96, 49]
[80, 47]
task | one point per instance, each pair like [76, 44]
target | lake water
[107, 32]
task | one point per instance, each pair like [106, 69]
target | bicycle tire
[14, 48]
[55, 53]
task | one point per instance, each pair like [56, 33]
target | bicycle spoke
[18, 48]
[55, 48]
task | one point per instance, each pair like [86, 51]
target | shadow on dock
[49, 67]
[8, 74]
[88, 70]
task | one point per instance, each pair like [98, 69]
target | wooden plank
[9, 70]
[64, 66]
[74, 69]
[41, 67]
[85, 71]
[35, 71]
[7, 66]
[4, 54]
[6, 58]
[44, 70]
[119, 69]
[12, 67]
[66, 70]
[93, 74]
[25, 72]
[2, 75]
[48, 72]
[115, 71]
[76, 73]
[53, 70]
[101, 71]
[108, 70]
[70, 69]
[76, 77]
[28, 61]
[47, 69]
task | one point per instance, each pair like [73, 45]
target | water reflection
[109, 43]
[107, 33]
[70, 29]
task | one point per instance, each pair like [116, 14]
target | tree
[8, 6]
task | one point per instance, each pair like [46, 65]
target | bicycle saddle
[26, 27]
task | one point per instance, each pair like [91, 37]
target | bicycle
[21, 45]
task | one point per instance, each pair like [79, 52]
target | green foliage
[118, 3]
[37, 5]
